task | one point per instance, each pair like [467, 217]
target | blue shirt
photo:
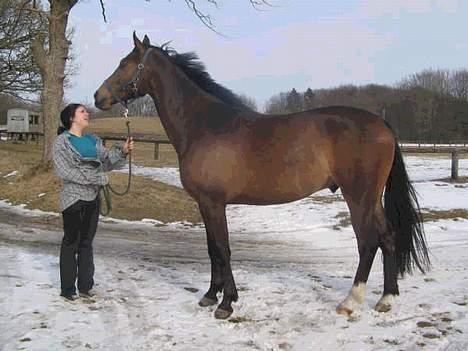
[85, 144]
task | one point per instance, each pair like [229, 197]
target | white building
[24, 121]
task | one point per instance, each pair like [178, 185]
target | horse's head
[127, 81]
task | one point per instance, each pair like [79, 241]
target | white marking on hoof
[385, 303]
[355, 297]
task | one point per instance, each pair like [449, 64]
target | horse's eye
[122, 63]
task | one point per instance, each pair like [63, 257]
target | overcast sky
[298, 43]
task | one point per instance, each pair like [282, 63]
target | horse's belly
[281, 188]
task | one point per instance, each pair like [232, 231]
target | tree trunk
[51, 60]
[51, 100]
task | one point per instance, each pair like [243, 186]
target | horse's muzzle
[101, 101]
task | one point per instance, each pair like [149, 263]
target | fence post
[156, 151]
[454, 165]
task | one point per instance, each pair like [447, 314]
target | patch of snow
[291, 267]
[168, 175]
[428, 168]
[152, 305]
[11, 174]
[311, 213]
[21, 209]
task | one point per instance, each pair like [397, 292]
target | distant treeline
[430, 105]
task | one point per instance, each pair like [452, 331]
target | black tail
[403, 213]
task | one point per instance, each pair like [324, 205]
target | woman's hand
[127, 146]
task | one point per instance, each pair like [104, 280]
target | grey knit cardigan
[82, 176]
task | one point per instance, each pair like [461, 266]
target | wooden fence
[455, 148]
[23, 136]
[140, 138]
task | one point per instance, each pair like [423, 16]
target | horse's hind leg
[387, 244]
[368, 222]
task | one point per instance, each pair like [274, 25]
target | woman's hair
[66, 117]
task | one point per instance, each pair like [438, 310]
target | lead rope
[107, 190]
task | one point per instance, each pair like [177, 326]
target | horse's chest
[217, 169]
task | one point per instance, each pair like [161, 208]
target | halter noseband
[132, 84]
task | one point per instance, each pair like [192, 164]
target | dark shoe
[70, 298]
[88, 294]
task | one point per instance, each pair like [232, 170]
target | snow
[293, 264]
[425, 168]
[311, 213]
[22, 210]
[11, 174]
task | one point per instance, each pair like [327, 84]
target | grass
[144, 125]
[147, 198]
[434, 215]
[143, 154]
[344, 219]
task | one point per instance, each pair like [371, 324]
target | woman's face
[81, 118]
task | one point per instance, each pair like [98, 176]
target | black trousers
[76, 254]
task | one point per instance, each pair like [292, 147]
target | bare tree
[248, 101]
[459, 84]
[436, 80]
[51, 51]
[143, 107]
[19, 74]
[197, 7]
[277, 104]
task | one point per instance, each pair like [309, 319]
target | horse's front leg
[216, 284]
[214, 216]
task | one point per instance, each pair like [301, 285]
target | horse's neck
[181, 104]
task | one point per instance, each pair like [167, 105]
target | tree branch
[202, 16]
[103, 10]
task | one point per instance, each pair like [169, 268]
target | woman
[80, 160]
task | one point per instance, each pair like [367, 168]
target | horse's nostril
[97, 103]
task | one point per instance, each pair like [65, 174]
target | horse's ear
[146, 41]
[137, 42]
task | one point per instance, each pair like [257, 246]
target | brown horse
[229, 154]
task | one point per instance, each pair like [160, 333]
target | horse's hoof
[382, 307]
[343, 310]
[206, 301]
[222, 314]
[384, 304]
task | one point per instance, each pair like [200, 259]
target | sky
[293, 44]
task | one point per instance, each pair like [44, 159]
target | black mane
[191, 65]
